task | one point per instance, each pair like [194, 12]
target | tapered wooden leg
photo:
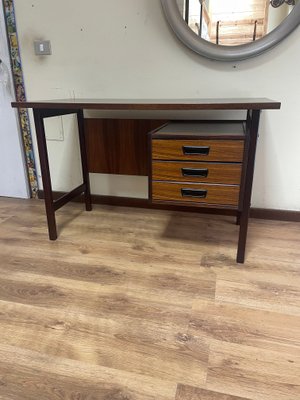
[44, 161]
[84, 162]
[242, 237]
[251, 140]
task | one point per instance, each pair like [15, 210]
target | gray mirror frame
[227, 53]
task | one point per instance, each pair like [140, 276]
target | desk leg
[84, 162]
[50, 204]
[252, 134]
[44, 161]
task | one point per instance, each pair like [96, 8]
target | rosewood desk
[52, 108]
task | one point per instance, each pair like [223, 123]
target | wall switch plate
[42, 47]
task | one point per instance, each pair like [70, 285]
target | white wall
[277, 15]
[13, 176]
[125, 49]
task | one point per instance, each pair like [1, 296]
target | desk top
[153, 104]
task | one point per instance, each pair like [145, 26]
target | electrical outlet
[42, 47]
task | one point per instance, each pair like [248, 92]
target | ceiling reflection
[234, 22]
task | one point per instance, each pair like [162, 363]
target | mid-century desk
[243, 145]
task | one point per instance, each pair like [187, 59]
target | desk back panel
[119, 146]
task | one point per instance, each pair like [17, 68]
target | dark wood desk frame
[45, 109]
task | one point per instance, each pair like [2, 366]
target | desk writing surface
[154, 104]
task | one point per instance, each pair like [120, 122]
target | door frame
[19, 86]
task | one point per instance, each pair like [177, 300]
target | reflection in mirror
[234, 22]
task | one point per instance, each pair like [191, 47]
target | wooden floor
[134, 304]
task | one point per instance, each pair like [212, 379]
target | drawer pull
[194, 193]
[196, 172]
[195, 150]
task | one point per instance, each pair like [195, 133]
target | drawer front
[198, 150]
[196, 172]
[196, 193]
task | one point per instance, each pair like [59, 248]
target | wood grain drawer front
[198, 150]
[196, 172]
[196, 193]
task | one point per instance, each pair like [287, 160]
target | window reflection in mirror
[234, 22]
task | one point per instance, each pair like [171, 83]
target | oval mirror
[231, 30]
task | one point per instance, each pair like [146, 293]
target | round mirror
[230, 30]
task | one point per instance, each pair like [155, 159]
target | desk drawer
[198, 150]
[196, 193]
[196, 172]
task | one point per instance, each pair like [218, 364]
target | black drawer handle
[195, 150]
[195, 172]
[200, 194]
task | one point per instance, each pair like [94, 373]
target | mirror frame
[227, 53]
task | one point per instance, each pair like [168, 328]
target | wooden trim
[259, 213]
[276, 215]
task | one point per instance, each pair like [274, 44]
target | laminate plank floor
[134, 304]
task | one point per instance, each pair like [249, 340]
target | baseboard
[276, 215]
[260, 213]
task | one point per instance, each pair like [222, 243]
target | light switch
[42, 47]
